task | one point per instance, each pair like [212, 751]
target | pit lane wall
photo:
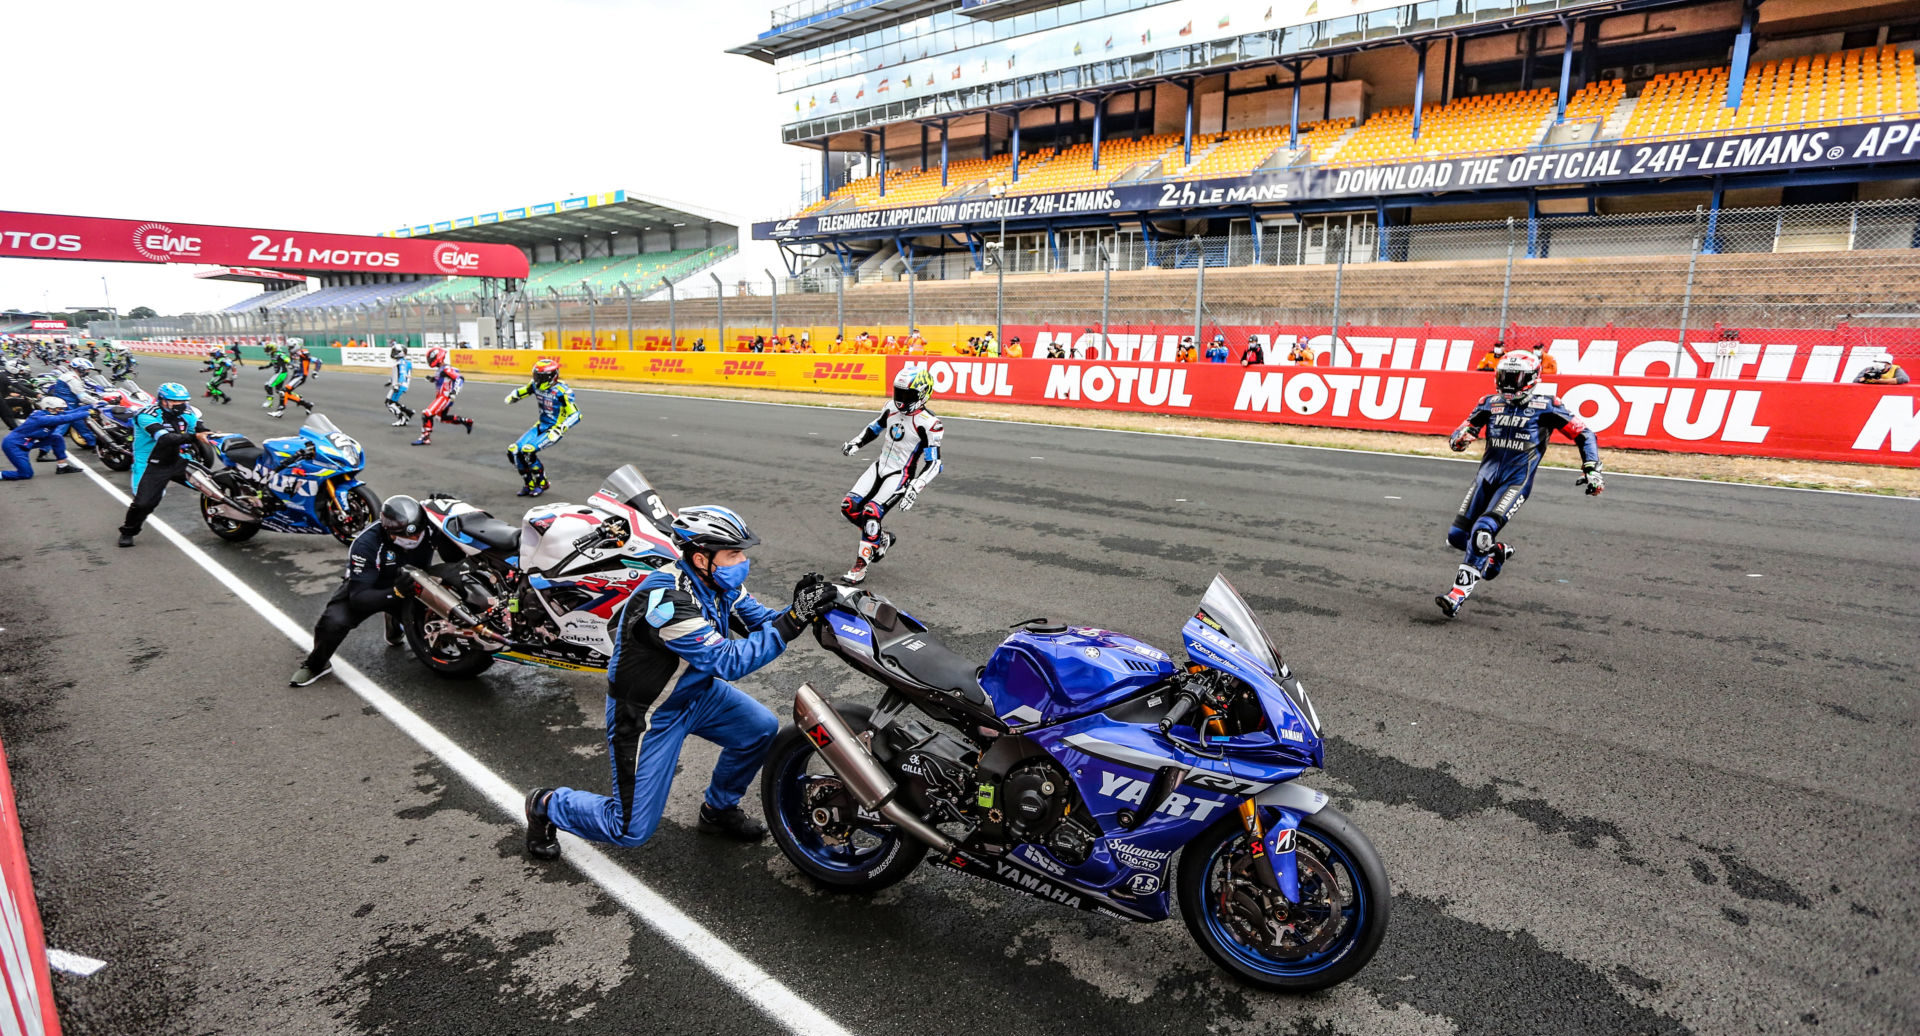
[1858, 423]
[23, 947]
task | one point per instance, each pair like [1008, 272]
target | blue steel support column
[1566, 72]
[943, 152]
[826, 171]
[1533, 225]
[1099, 106]
[1186, 139]
[923, 147]
[1016, 146]
[1293, 126]
[973, 249]
[1742, 50]
[1253, 224]
[883, 169]
[1711, 243]
[1420, 86]
[1380, 229]
[1053, 246]
[1153, 246]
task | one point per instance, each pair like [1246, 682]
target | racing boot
[880, 551]
[732, 822]
[396, 636]
[280, 411]
[1500, 555]
[468, 422]
[401, 422]
[267, 403]
[1463, 584]
[543, 839]
[858, 573]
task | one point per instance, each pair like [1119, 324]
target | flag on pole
[1187, 29]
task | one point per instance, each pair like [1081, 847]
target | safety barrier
[1862, 423]
[23, 946]
[865, 375]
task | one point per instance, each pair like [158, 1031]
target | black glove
[1590, 478]
[811, 596]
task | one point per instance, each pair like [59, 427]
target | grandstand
[1147, 120]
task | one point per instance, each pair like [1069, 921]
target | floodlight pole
[673, 326]
[593, 314]
[628, 292]
[773, 284]
[720, 310]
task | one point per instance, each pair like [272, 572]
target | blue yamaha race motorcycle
[1074, 766]
[304, 483]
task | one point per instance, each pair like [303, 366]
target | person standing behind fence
[1300, 355]
[1882, 371]
[1493, 357]
[1253, 355]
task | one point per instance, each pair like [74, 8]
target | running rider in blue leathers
[687, 630]
[402, 377]
[1517, 423]
[71, 386]
[44, 429]
[557, 414]
[160, 432]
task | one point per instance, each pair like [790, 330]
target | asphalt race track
[1659, 778]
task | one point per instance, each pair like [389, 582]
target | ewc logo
[158, 243]
[451, 258]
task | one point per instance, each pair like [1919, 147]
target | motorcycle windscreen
[322, 426]
[1225, 610]
[323, 431]
[628, 486]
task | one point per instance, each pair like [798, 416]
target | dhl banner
[1862, 423]
[864, 375]
[941, 339]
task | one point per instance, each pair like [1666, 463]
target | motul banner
[1765, 354]
[1862, 423]
[32, 235]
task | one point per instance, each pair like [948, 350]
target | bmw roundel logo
[898, 433]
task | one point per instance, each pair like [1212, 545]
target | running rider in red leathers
[1517, 423]
[446, 385]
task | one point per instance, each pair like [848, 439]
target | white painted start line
[73, 963]
[767, 993]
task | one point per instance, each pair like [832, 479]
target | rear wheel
[222, 526]
[362, 507]
[818, 824]
[1315, 944]
[451, 657]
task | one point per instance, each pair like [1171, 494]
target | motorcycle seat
[241, 452]
[486, 530]
[925, 660]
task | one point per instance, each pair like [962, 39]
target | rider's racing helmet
[403, 521]
[1516, 376]
[912, 389]
[398, 352]
[81, 364]
[710, 527]
[51, 404]
[174, 397]
[437, 357]
[216, 353]
[546, 371]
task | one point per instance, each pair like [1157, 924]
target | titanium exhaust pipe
[444, 602]
[856, 766]
[224, 506]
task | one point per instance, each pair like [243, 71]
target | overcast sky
[358, 117]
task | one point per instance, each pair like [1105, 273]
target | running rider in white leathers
[909, 459]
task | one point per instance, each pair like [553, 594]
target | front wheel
[820, 826]
[455, 658]
[1315, 944]
[361, 509]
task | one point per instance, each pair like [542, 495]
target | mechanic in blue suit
[68, 386]
[687, 630]
[44, 429]
[1517, 422]
[159, 433]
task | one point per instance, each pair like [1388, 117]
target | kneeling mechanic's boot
[733, 823]
[543, 839]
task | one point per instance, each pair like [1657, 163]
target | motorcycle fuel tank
[1047, 675]
[548, 535]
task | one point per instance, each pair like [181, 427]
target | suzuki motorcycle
[303, 483]
[543, 594]
[1073, 767]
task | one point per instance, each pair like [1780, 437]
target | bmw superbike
[541, 594]
[305, 483]
[1087, 768]
[112, 423]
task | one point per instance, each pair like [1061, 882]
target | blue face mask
[731, 577]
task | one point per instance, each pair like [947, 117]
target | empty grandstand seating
[641, 273]
[1487, 124]
[350, 295]
[1243, 151]
[1073, 168]
[268, 299]
[1863, 85]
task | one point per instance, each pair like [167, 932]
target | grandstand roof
[542, 223]
[802, 24]
[246, 275]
